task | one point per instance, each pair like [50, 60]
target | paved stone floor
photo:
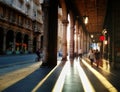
[70, 76]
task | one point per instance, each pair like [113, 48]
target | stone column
[60, 32]
[85, 42]
[80, 36]
[4, 40]
[64, 39]
[88, 42]
[81, 41]
[71, 36]
[76, 40]
[50, 9]
[45, 8]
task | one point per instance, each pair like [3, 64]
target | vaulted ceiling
[95, 10]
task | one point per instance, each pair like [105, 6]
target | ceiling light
[92, 36]
[85, 18]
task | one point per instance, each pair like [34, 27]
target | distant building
[21, 28]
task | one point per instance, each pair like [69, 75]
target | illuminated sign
[102, 38]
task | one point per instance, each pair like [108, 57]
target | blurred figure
[97, 57]
[38, 54]
[80, 54]
[91, 56]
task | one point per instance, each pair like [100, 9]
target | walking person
[80, 54]
[97, 57]
[91, 56]
[38, 54]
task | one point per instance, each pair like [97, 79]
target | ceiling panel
[95, 10]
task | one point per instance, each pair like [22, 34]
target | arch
[18, 42]
[25, 44]
[9, 42]
[34, 44]
[42, 41]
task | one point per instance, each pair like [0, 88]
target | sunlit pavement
[13, 60]
[72, 76]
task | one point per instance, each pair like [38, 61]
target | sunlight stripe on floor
[60, 82]
[84, 79]
[44, 79]
[102, 79]
[16, 74]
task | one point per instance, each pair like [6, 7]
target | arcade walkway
[77, 76]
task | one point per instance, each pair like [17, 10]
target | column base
[64, 59]
[43, 65]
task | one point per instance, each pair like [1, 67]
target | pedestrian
[97, 57]
[80, 54]
[38, 54]
[91, 56]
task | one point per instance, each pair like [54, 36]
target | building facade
[21, 28]
[23, 23]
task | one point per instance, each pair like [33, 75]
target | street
[6, 61]
[15, 68]
[16, 62]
